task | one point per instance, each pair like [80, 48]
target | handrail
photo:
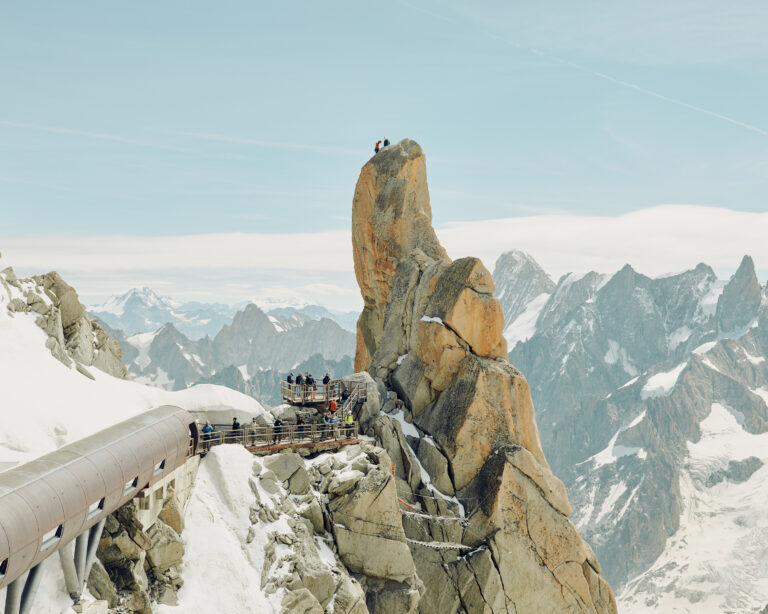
[300, 394]
[254, 437]
[315, 393]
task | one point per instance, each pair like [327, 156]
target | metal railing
[314, 393]
[286, 435]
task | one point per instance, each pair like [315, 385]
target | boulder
[368, 530]
[167, 547]
[436, 465]
[313, 572]
[283, 465]
[172, 514]
[344, 482]
[301, 601]
[100, 584]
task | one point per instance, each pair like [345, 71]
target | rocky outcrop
[740, 299]
[337, 514]
[392, 216]
[431, 332]
[519, 280]
[138, 567]
[74, 337]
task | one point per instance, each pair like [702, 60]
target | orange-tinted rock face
[432, 330]
[391, 216]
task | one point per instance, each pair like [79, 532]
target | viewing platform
[268, 439]
[303, 394]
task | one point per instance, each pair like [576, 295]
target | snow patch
[524, 326]
[612, 451]
[678, 336]
[705, 347]
[661, 384]
[755, 360]
[432, 319]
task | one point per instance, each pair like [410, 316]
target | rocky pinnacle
[431, 331]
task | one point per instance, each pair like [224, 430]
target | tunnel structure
[59, 502]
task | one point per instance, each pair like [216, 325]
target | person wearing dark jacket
[386, 142]
[289, 379]
[326, 387]
[300, 427]
[233, 435]
[278, 431]
[300, 386]
[311, 386]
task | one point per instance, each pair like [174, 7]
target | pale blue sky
[180, 117]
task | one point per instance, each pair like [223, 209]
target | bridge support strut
[20, 593]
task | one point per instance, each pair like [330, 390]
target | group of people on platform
[307, 385]
[330, 427]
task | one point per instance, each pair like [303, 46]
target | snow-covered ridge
[47, 403]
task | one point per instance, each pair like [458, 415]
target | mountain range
[251, 353]
[651, 397]
[142, 310]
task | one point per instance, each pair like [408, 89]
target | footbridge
[59, 502]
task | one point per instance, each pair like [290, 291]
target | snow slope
[715, 561]
[215, 534]
[44, 404]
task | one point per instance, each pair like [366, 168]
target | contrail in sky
[604, 76]
[639, 88]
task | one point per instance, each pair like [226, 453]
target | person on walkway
[312, 386]
[207, 430]
[326, 388]
[332, 406]
[334, 426]
[300, 427]
[289, 379]
[327, 425]
[233, 435]
[348, 422]
[277, 432]
[386, 142]
[252, 430]
[376, 148]
[300, 386]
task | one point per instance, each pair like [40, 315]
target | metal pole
[67, 558]
[30, 588]
[81, 551]
[94, 536]
[13, 596]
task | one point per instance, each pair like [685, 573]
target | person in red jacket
[376, 149]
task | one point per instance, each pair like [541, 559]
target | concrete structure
[59, 502]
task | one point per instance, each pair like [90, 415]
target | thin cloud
[604, 76]
[634, 86]
[318, 267]
[93, 135]
[237, 140]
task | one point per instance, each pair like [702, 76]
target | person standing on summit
[386, 142]
[376, 148]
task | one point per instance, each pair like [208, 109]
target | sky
[141, 143]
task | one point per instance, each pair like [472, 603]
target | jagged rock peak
[431, 335]
[739, 303]
[72, 334]
[523, 279]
